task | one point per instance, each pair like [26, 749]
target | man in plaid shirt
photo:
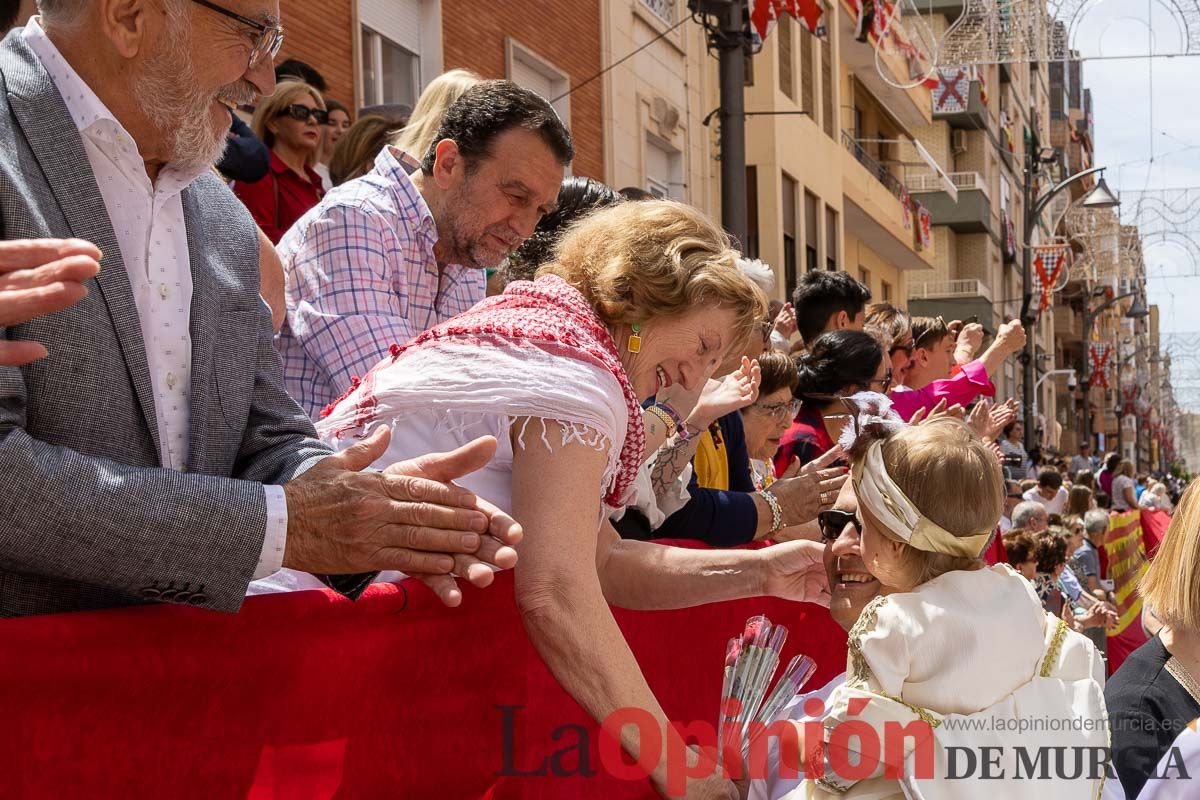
[384, 257]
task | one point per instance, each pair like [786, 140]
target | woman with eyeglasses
[767, 420]
[839, 364]
[289, 123]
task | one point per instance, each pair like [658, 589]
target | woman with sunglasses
[289, 123]
[839, 364]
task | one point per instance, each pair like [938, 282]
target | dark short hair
[778, 372]
[1009, 427]
[1112, 461]
[636, 193]
[1050, 549]
[577, 197]
[297, 69]
[822, 294]
[836, 361]
[1050, 478]
[488, 109]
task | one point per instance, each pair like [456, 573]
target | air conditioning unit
[958, 142]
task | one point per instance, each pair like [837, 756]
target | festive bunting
[923, 234]
[766, 13]
[1099, 354]
[906, 208]
[1130, 394]
[1010, 237]
[1049, 261]
[953, 91]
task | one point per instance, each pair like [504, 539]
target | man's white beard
[166, 89]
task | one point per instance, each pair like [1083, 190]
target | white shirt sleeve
[271, 558]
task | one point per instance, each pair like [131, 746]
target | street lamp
[1136, 310]
[1100, 197]
[1050, 374]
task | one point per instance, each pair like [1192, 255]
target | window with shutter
[787, 76]
[790, 189]
[827, 88]
[807, 72]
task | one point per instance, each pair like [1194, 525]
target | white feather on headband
[759, 273]
[872, 409]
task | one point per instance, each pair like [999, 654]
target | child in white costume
[962, 650]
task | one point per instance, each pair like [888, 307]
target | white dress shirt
[147, 219]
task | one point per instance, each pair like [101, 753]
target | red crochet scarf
[553, 315]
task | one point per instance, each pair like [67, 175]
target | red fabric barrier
[309, 696]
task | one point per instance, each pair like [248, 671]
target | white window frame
[375, 39]
[515, 52]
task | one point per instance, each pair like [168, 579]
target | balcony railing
[879, 171]
[931, 182]
[942, 290]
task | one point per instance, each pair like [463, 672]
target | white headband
[880, 495]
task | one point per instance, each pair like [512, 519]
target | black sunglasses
[302, 113]
[833, 522]
[269, 39]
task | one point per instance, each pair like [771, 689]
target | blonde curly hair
[636, 261]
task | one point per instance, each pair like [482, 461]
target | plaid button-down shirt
[361, 276]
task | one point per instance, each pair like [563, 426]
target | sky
[1147, 123]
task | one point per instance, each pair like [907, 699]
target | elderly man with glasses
[153, 455]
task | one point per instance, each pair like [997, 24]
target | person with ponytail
[839, 364]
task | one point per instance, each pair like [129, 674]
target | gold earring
[635, 339]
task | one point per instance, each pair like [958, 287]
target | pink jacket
[971, 382]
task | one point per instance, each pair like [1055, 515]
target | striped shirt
[361, 275]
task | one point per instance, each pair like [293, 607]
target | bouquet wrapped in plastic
[751, 660]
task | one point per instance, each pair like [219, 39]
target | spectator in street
[1086, 477]
[415, 138]
[1030, 515]
[1013, 447]
[1108, 471]
[1012, 496]
[1049, 491]
[289, 123]
[356, 152]
[1021, 548]
[154, 455]
[1095, 529]
[1124, 497]
[768, 418]
[895, 326]
[839, 364]
[1079, 501]
[928, 371]
[1155, 694]
[387, 256]
[828, 301]
[337, 124]
[1082, 460]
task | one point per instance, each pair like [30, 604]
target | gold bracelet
[666, 419]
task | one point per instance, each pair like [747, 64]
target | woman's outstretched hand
[795, 571]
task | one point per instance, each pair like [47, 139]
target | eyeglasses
[270, 37]
[833, 522]
[302, 113]
[886, 380]
[780, 411]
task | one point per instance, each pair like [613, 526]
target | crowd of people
[318, 351]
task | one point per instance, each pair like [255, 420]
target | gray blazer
[88, 518]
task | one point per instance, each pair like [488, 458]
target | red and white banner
[765, 13]
[1099, 354]
[953, 92]
[1049, 263]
